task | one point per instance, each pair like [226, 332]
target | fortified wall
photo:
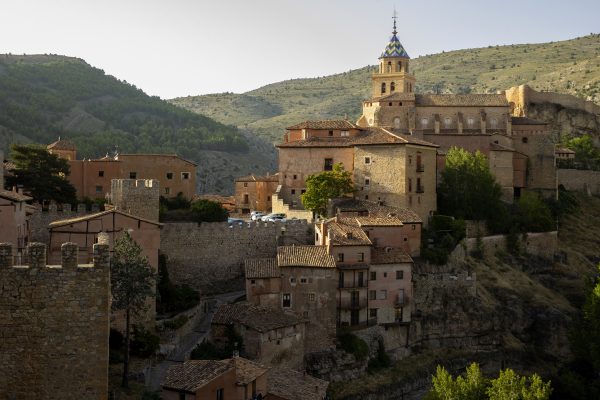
[40, 219]
[580, 180]
[54, 325]
[139, 197]
[210, 256]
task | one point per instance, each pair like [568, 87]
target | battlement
[36, 257]
[139, 197]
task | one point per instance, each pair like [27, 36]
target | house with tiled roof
[270, 335]
[254, 192]
[13, 219]
[283, 384]
[236, 378]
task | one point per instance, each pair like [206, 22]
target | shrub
[173, 298]
[176, 323]
[144, 343]
[382, 360]
[354, 345]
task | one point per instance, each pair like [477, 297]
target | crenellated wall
[210, 256]
[40, 219]
[54, 325]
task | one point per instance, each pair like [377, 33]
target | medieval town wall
[524, 95]
[210, 256]
[54, 325]
[40, 219]
[580, 180]
[139, 197]
[541, 244]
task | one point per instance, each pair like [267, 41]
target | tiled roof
[461, 100]
[346, 232]
[368, 136]
[304, 256]
[389, 256]
[88, 217]
[9, 165]
[394, 48]
[61, 145]
[14, 196]
[564, 150]
[526, 121]
[374, 209]
[247, 371]
[499, 147]
[261, 268]
[325, 124]
[258, 318]
[402, 96]
[376, 220]
[117, 157]
[194, 374]
[255, 178]
[293, 385]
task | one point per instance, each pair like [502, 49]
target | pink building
[13, 219]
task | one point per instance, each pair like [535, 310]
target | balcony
[353, 285]
[420, 189]
[352, 304]
[420, 168]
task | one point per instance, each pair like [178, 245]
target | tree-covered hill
[570, 66]
[45, 96]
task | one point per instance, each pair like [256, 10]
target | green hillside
[571, 66]
[42, 97]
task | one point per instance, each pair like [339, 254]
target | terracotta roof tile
[247, 371]
[374, 209]
[62, 144]
[304, 256]
[325, 124]
[261, 268]
[258, 318]
[461, 100]
[88, 217]
[346, 232]
[389, 256]
[564, 150]
[294, 385]
[194, 374]
[379, 220]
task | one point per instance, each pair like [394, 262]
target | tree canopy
[42, 175]
[468, 189]
[208, 211]
[324, 186]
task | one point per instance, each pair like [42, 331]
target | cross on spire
[394, 18]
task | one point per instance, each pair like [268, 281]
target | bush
[440, 239]
[176, 323]
[354, 345]
[209, 211]
[144, 343]
[381, 361]
[173, 298]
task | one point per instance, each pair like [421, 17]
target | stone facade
[41, 218]
[210, 256]
[13, 219]
[580, 180]
[254, 193]
[55, 325]
[139, 197]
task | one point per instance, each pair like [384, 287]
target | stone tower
[393, 75]
[139, 197]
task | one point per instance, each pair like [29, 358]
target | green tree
[467, 189]
[209, 211]
[585, 151]
[324, 186]
[42, 175]
[533, 215]
[132, 283]
[510, 386]
[586, 341]
[471, 386]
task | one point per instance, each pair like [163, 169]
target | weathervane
[394, 18]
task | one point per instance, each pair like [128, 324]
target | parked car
[277, 218]
[256, 215]
[272, 215]
[233, 221]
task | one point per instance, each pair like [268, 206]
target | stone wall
[139, 197]
[40, 219]
[279, 206]
[210, 256]
[542, 244]
[580, 180]
[54, 325]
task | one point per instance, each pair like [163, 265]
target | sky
[172, 48]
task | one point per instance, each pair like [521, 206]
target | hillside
[571, 66]
[46, 96]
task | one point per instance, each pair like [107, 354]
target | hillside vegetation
[571, 66]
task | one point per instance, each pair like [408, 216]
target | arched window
[406, 68]
[399, 66]
[493, 122]
[470, 122]
[424, 122]
[392, 87]
[447, 122]
[383, 87]
[397, 123]
[389, 66]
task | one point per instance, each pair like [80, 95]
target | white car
[276, 218]
[271, 216]
[256, 215]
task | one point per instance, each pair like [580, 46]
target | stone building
[139, 197]
[13, 219]
[55, 325]
[283, 384]
[254, 193]
[92, 178]
[233, 379]
[270, 336]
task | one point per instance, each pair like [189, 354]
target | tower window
[383, 87]
[392, 86]
[399, 67]
[100, 173]
[389, 66]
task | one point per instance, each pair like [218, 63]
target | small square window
[268, 198]
[312, 297]
[167, 190]
[286, 300]
[372, 275]
[367, 160]
[253, 281]
[414, 227]
[399, 274]
[303, 191]
[101, 173]
[169, 175]
[293, 191]
[328, 164]
[340, 257]
[385, 274]
[367, 181]
[245, 184]
[361, 257]
[372, 295]
[303, 280]
[330, 133]
[295, 176]
[133, 175]
[344, 133]
[185, 175]
[292, 280]
[98, 189]
[372, 313]
[382, 295]
[524, 140]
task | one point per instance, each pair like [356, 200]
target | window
[167, 190]
[304, 315]
[170, 176]
[340, 257]
[246, 200]
[345, 133]
[303, 280]
[330, 133]
[367, 160]
[268, 198]
[245, 184]
[185, 175]
[524, 140]
[470, 122]
[447, 122]
[302, 191]
[385, 274]
[410, 184]
[399, 274]
[312, 297]
[383, 87]
[181, 396]
[328, 164]
[414, 227]
[295, 176]
[286, 300]
[397, 123]
[132, 175]
[372, 313]
[367, 181]
[493, 122]
[361, 257]
[372, 275]
[221, 394]
[98, 189]
[100, 174]
[253, 281]
[366, 197]
[382, 295]
[293, 191]
[390, 104]
[392, 86]
[292, 280]
[372, 295]
[424, 122]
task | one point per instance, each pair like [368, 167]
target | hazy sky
[175, 48]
